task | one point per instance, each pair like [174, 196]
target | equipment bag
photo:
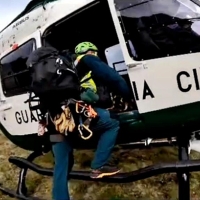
[52, 73]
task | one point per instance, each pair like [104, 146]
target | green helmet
[83, 47]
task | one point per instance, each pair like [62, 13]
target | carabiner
[81, 133]
[86, 113]
[77, 108]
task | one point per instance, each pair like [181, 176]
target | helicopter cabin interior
[151, 32]
[93, 25]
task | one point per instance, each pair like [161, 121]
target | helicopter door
[165, 71]
[15, 116]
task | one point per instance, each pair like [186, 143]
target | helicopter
[156, 50]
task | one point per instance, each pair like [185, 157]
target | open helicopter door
[159, 83]
[15, 116]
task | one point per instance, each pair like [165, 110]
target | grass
[159, 187]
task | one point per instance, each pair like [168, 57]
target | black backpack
[53, 77]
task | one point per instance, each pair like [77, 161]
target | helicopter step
[181, 168]
[150, 142]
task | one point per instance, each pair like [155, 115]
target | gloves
[64, 122]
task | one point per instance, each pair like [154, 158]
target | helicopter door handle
[137, 64]
[5, 107]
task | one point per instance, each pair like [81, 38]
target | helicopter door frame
[157, 88]
[128, 60]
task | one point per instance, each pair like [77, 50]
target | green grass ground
[158, 187]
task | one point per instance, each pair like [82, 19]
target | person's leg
[63, 155]
[108, 128]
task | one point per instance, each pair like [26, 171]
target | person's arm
[108, 76]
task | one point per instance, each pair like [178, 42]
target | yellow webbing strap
[90, 82]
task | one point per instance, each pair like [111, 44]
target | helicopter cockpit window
[160, 28]
[14, 73]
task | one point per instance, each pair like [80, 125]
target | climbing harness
[65, 123]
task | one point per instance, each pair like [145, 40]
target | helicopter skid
[22, 189]
[127, 177]
[16, 195]
[182, 168]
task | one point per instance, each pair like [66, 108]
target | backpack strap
[91, 76]
[88, 82]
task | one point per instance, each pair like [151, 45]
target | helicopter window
[160, 28]
[14, 73]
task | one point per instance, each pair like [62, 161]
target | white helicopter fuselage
[165, 88]
[19, 119]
